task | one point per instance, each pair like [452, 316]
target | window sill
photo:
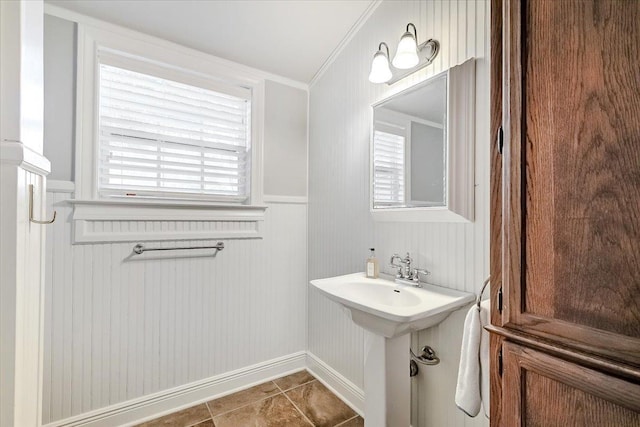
[421, 214]
[148, 220]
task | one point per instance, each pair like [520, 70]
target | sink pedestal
[389, 311]
[387, 386]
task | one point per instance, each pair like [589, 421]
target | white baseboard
[167, 401]
[342, 387]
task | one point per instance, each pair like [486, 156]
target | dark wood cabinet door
[571, 173]
[496, 208]
[545, 391]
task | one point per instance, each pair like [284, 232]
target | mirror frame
[460, 147]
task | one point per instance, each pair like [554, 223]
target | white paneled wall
[340, 225]
[118, 328]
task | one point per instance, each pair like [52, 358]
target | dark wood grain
[602, 167]
[496, 209]
[512, 162]
[569, 354]
[495, 221]
[547, 391]
[583, 163]
[549, 403]
[565, 212]
[571, 184]
[495, 380]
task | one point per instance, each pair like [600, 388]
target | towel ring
[484, 285]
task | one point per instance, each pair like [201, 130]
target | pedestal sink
[389, 311]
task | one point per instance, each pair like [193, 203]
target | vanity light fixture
[410, 56]
[407, 52]
[380, 72]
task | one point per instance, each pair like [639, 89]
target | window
[164, 133]
[388, 167]
[165, 138]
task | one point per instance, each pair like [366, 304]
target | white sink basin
[390, 309]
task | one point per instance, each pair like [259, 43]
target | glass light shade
[407, 52]
[380, 71]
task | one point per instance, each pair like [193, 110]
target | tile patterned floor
[295, 400]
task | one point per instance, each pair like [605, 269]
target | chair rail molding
[18, 154]
[118, 221]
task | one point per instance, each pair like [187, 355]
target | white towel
[473, 375]
[485, 319]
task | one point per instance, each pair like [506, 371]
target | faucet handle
[393, 258]
[394, 265]
[416, 272]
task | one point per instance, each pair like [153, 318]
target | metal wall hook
[37, 221]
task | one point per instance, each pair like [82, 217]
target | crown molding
[345, 41]
[69, 15]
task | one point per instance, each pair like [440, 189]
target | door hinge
[500, 361]
[500, 299]
[500, 139]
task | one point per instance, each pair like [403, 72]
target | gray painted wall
[285, 127]
[59, 95]
[285, 140]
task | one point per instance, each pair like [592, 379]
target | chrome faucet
[404, 268]
[405, 273]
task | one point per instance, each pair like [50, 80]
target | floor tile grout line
[295, 386]
[255, 401]
[279, 388]
[245, 405]
[177, 412]
[201, 421]
[281, 391]
[346, 421]
[316, 380]
[209, 409]
[298, 409]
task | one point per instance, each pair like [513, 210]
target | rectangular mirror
[422, 150]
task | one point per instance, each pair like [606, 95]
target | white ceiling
[291, 38]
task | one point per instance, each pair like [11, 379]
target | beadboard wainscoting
[107, 221]
[125, 331]
[340, 225]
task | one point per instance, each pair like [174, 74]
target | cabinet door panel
[545, 391]
[572, 172]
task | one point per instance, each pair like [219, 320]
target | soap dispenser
[373, 269]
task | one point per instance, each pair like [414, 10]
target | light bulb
[407, 52]
[380, 72]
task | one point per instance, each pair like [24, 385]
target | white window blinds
[388, 168]
[163, 138]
